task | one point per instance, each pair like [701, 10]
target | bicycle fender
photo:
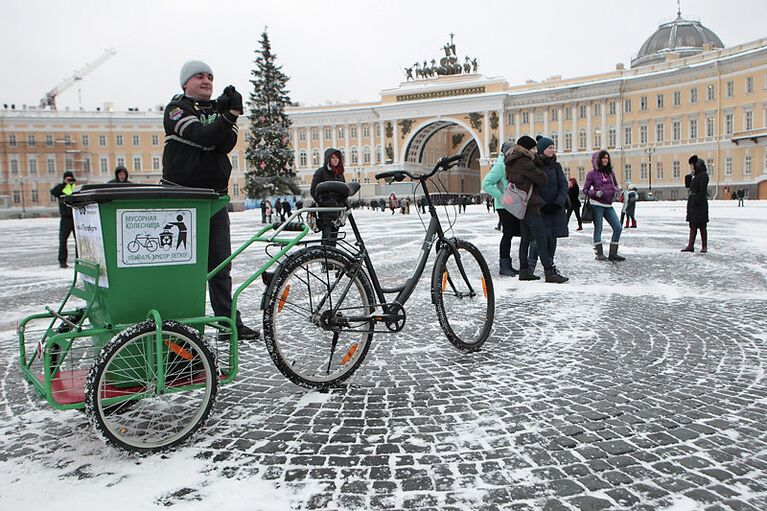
[447, 247]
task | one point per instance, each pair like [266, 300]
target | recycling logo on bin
[155, 237]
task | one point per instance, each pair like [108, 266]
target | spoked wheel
[317, 321]
[124, 396]
[465, 301]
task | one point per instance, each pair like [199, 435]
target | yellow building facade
[679, 98]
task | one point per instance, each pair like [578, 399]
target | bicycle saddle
[338, 189]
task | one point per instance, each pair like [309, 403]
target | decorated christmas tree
[269, 155]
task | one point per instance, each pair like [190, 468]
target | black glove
[235, 98]
[223, 103]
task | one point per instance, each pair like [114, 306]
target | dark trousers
[577, 215]
[507, 222]
[220, 247]
[66, 227]
[532, 230]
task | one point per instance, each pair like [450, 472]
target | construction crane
[50, 97]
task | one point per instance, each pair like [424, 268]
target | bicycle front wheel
[465, 300]
[318, 321]
[124, 399]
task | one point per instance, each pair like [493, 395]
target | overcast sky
[333, 50]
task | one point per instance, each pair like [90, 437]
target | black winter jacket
[697, 198]
[197, 143]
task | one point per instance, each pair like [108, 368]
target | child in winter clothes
[630, 197]
[601, 187]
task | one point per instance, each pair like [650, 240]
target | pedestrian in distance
[268, 210]
[121, 175]
[574, 202]
[741, 194]
[331, 170]
[299, 207]
[601, 186]
[285, 209]
[523, 172]
[493, 184]
[199, 134]
[278, 216]
[66, 222]
[697, 203]
[263, 210]
[630, 198]
[554, 197]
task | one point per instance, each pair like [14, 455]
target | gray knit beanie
[191, 68]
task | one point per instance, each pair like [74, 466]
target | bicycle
[143, 240]
[323, 304]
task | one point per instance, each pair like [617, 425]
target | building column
[561, 126]
[589, 137]
[517, 124]
[322, 143]
[502, 129]
[296, 160]
[619, 125]
[603, 143]
[334, 137]
[346, 140]
[383, 142]
[575, 127]
[532, 122]
[395, 156]
[486, 143]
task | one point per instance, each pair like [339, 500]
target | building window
[69, 164]
[709, 126]
[581, 174]
[301, 134]
[728, 123]
[378, 154]
[611, 136]
[315, 157]
[677, 98]
[87, 164]
[596, 141]
[315, 133]
[539, 115]
[582, 112]
[611, 106]
[748, 120]
[35, 196]
[50, 163]
[48, 140]
[569, 141]
[511, 117]
[102, 140]
[85, 140]
[749, 84]
[12, 140]
[643, 171]
[136, 140]
[119, 140]
[554, 114]
[710, 166]
[302, 158]
[155, 140]
[643, 135]
[155, 163]
[627, 105]
[710, 95]
[353, 131]
[728, 166]
[597, 110]
[555, 139]
[354, 156]
[693, 129]
[676, 130]
[236, 188]
[31, 140]
[120, 161]
[525, 117]
[730, 89]
[137, 163]
[67, 140]
[627, 172]
[660, 129]
[235, 161]
[366, 155]
[676, 170]
[568, 114]
[14, 166]
[32, 165]
[340, 132]
[16, 197]
[366, 130]
[643, 103]
[747, 165]
[659, 170]
[104, 165]
[659, 100]
[328, 134]
[582, 139]
[627, 136]
[694, 95]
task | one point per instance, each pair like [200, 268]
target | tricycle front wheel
[139, 405]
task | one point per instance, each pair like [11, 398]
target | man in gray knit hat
[199, 134]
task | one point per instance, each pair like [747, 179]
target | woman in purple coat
[601, 187]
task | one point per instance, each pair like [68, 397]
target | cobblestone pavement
[638, 385]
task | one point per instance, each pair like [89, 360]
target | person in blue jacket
[493, 184]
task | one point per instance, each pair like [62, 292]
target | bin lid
[109, 192]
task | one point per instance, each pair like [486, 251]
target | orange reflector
[283, 298]
[350, 353]
[178, 350]
[444, 281]
[484, 287]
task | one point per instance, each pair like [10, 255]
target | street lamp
[648, 151]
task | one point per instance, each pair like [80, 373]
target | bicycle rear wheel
[122, 396]
[317, 321]
[465, 305]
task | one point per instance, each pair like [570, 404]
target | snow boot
[691, 242]
[633, 223]
[600, 255]
[553, 276]
[506, 268]
[627, 224]
[614, 253]
[527, 274]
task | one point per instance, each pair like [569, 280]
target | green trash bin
[151, 245]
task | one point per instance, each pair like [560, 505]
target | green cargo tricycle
[131, 343]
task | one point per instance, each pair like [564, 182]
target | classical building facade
[684, 94]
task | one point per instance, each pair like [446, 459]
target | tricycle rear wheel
[127, 405]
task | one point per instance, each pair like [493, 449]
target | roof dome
[681, 36]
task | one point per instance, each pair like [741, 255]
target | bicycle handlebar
[444, 163]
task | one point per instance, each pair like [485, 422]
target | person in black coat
[331, 170]
[697, 203]
[121, 175]
[67, 223]
[574, 202]
[554, 196]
